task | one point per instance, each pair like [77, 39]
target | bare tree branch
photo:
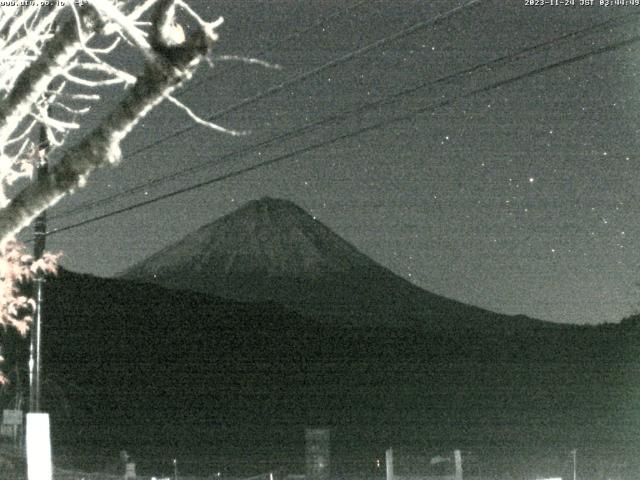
[34, 80]
[169, 66]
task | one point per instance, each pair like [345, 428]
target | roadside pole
[38, 433]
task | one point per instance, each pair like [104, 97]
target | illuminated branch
[164, 71]
[45, 73]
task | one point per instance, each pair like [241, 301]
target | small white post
[389, 463]
[458, 458]
[130, 471]
[38, 447]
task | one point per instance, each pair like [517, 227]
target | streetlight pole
[40, 234]
[573, 452]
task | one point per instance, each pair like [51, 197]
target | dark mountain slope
[157, 371]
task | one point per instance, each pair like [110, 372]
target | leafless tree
[55, 61]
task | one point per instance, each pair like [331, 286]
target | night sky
[518, 197]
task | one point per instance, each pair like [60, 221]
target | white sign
[12, 417]
[130, 471]
[38, 447]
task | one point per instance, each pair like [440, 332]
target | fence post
[458, 458]
[389, 463]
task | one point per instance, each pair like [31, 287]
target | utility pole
[40, 233]
[38, 430]
[573, 452]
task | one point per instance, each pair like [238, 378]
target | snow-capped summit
[268, 237]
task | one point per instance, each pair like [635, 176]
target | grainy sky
[520, 197]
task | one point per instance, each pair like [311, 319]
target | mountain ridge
[271, 249]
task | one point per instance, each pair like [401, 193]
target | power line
[319, 21]
[341, 116]
[354, 133]
[303, 76]
[325, 66]
[222, 159]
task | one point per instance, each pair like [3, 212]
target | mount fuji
[272, 250]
